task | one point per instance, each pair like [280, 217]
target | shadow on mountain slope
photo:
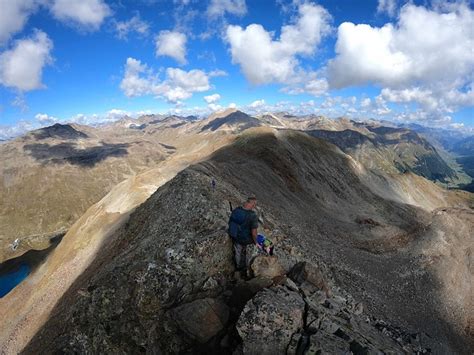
[69, 153]
[174, 251]
[406, 149]
[467, 163]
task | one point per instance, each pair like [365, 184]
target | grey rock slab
[305, 271]
[202, 319]
[267, 266]
[269, 320]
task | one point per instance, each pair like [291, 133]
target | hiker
[15, 244]
[213, 184]
[243, 224]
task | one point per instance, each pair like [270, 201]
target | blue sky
[95, 60]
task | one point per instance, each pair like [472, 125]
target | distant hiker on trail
[243, 224]
[213, 184]
[15, 244]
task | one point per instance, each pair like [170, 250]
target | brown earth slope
[51, 176]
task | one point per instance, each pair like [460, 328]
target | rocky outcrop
[201, 319]
[283, 319]
[269, 320]
[266, 266]
[306, 272]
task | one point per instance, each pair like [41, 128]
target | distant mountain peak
[224, 113]
[58, 130]
[231, 119]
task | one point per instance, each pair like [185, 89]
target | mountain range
[145, 249]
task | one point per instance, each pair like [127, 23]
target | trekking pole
[230, 205]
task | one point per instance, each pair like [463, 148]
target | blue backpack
[239, 229]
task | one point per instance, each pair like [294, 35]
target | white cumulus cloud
[218, 8]
[133, 82]
[365, 54]
[316, 87]
[426, 57]
[178, 84]
[45, 119]
[257, 103]
[13, 16]
[87, 14]
[424, 97]
[266, 60]
[21, 67]
[429, 100]
[211, 99]
[172, 44]
[425, 46]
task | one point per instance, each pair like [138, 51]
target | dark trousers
[240, 256]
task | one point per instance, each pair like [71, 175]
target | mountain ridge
[102, 157]
[283, 167]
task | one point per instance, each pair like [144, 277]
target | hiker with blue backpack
[243, 224]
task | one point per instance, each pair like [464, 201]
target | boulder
[267, 267]
[310, 273]
[202, 319]
[269, 320]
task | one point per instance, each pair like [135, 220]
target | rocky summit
[354, 271]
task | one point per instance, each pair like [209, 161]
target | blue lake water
[13, 278]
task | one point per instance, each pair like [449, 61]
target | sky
[93, 61]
